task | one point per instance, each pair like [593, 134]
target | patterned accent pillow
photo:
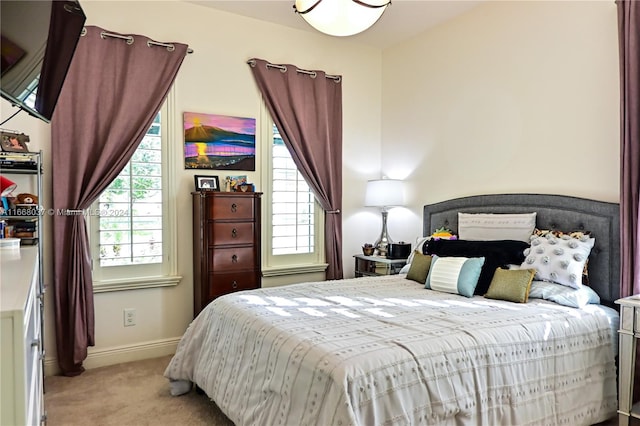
[457, 275]
[573, 234]
[558, 259]
[512, 285]
[419, 268]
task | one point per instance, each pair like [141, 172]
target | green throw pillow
[512, 285]
[419, 268]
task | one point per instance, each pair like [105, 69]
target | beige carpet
[128, 394]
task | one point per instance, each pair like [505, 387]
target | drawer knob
[234, 207]
[234, 233]
[234, 258]
[234, 284]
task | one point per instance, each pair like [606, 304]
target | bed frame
[559, 212]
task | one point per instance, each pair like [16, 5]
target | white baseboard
[119, 354]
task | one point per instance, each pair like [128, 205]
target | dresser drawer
[220, 284]
[224, 233]
[233, 259]
[231, 208]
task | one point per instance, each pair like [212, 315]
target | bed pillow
[496, 253]
[419, 244]
[559, 260]
[511, 285]
[496, 226]
[458, 275]
[564, 234]
[419, 268]
[563, 295]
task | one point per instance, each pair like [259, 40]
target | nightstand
[376, 265]
[628, 336]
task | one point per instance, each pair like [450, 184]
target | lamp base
[383, 242]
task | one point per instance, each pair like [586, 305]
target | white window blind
[293, 204]
[131, 210]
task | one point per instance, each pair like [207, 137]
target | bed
[386, 350]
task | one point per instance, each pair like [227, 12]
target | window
[294, 221]
[130, 219]
[132, 225]
[293, 211]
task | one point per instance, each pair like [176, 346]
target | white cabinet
[628, 334]
[21, 351]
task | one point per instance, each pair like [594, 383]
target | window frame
[129, 277]
[276, 265]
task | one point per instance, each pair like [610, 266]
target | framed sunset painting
[219, 142]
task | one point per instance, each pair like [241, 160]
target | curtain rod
[283, 68]
[170, 47]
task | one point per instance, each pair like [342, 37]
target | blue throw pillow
[458, 275]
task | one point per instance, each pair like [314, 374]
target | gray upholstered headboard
[559, 212]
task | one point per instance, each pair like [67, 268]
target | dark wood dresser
[226, 244]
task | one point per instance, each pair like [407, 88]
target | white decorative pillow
[418, 247]
[457, 275]
[560, 260]
[563, 295]
[496, 226]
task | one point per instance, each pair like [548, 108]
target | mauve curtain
[111, 94]
[629, 41]
[307, 109]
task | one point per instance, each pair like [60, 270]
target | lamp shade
[384, 193]
[6, 186]
[341, 17]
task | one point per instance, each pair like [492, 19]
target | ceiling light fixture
[341, 17]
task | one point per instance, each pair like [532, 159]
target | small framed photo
[207, 183]
[12, 142]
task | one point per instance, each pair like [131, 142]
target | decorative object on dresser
[384, 193]
[226, 244]
[628, 352]
[207, 183]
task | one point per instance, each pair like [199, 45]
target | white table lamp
[384, 193]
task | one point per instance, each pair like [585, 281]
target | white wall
[510, 97]
[216, 79]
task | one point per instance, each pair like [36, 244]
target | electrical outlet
[129, 317]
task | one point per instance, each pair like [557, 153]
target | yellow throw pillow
[419, 268]
[512, 285]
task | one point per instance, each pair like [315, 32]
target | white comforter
[384, 350]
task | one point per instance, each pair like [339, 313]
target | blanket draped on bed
[384, 350]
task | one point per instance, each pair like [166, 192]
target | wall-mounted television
[38, 41]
